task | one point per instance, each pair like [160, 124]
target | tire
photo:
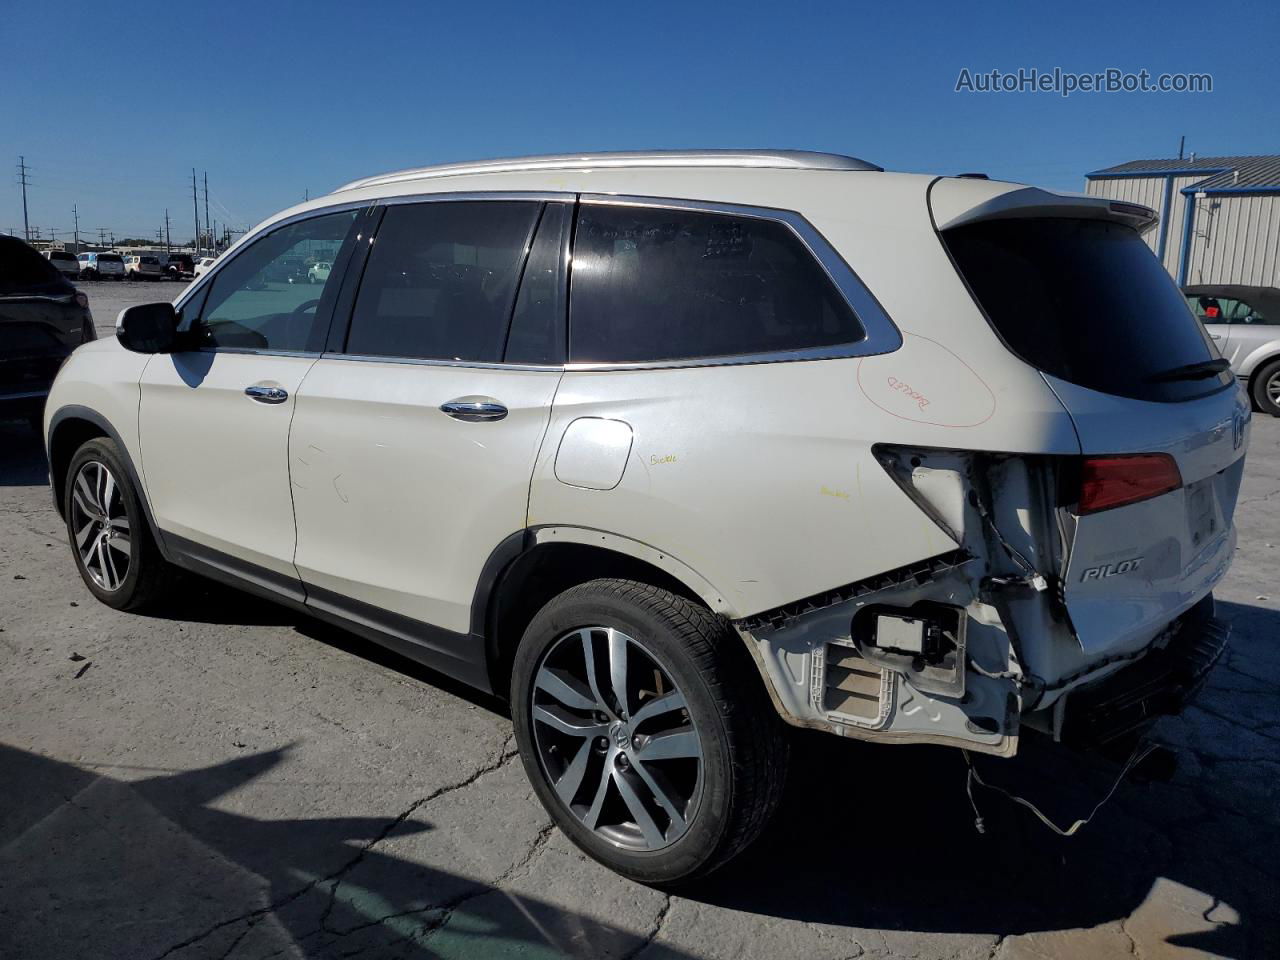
[718, 751]
[147, 574]
[1265, 391]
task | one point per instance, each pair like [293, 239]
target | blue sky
[275, 98]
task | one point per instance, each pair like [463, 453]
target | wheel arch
[530, 568]
[70, 428]
[1258, 361]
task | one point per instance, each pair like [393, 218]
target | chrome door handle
[1216, 336]
[474, 409]
[266, 394]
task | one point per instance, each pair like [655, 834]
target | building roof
[1257, 173]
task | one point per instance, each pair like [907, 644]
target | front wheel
[1266, 389]
[114, 552]
[645, 730]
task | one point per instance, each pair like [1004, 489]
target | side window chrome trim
[880, 333]
[472, 364]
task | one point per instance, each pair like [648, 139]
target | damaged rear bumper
[823, 674]
[1113, 710]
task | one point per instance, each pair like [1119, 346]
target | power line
[22, 179]
[208, 224]
[195, 206]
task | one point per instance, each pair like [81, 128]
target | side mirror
[148, 328]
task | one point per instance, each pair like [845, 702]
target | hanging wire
[1139, 754]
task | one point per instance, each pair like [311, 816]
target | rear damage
[966, 648]
[1077, 600]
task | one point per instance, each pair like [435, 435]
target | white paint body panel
[101, 376]
[215, 461]
[399, 505]
[1184, 539]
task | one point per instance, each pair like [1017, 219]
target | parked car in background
[142, 266]
[101, 266]
[180, 266]
[65, 263]
[319, 272]
[42, 319]
[203, 264]
[1244, 321]
[796, 441]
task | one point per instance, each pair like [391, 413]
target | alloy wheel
[100, 525]
[1273, 388]
[615, 739]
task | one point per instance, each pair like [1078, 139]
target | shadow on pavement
[94, 867]
[22, 462]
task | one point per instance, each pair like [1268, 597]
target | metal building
[1219, 216]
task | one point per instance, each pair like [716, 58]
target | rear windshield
[23, 269]
[1085, 301]
[60, 255]
[109, 258]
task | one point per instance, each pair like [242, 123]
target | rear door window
[655, 284]
[441, 279]
[1085, 301]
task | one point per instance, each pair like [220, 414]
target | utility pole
[195, 205]
[168, 247]
[102, 236]
[75, 214]
[207, 221]
[22, 179]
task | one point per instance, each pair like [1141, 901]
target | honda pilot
[678, 449]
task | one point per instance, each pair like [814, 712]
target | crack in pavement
[658, 922]
[447, 908]
[503, 758]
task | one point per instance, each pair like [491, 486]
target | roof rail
[776, 159]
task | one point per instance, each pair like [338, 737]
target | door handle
[264, 394]
[1216, 336]
[474, 409]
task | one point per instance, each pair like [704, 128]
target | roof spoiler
[1032, 202]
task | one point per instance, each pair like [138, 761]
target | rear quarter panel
[760, 477]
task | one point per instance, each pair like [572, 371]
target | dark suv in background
[42, 319]
[180, 266]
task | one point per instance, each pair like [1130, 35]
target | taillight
[1107, 482]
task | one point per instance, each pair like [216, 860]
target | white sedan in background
[204, 263]
[319, 272]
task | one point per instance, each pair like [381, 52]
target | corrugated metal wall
[1236, 240]
[1148, 191]
[1177, 219]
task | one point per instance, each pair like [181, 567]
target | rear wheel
[1266, 388]
[645, 730]
[114, 552]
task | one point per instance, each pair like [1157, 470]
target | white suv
[672, 447]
